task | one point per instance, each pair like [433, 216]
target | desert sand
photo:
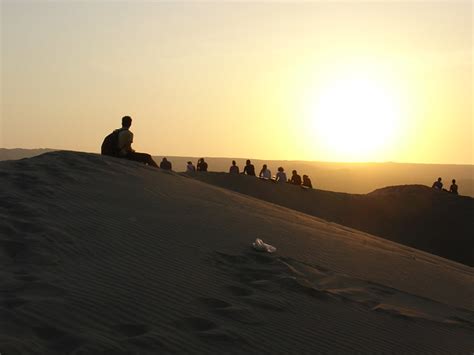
[101, 255]
[415, 215]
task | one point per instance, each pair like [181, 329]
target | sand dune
[356, 178]
[105, 255]
[414, 215]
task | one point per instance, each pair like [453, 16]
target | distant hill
[358, 178]
[418, 216]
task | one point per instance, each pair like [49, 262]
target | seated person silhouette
[201, 165]
[307, 182]
[249, 169]
[190, 168]
[234, 169]
[295, 178]
[165, 164]
[281, 175]
[125, 140]
[265, 173]
[438, 184]
[454, 188]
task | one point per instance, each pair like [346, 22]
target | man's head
[439, 179]
[454, 181]
[248, 162]
[264, 166]
[294, 172]
[233, 162]
[126, 121]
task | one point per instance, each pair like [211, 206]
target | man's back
[249, 170]
[296, 179]
[165, 165]
[234, 169]
[125, 140]
[437, 185]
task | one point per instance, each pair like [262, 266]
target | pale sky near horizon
[322, 80]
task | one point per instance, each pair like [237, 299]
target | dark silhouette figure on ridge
[249, 169]
[307, 182]
[438, 184]
[190, 168]
[234, 169]
[454, 188]
[122, 145]
[265, 173]
[281, 175]
[165, 164]
[295, 178]
[201, 165]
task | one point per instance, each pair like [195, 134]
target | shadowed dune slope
[100, 255]
[415, 215]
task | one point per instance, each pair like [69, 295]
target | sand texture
[100, 255]
[418, 216]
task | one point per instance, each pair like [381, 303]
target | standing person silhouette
[125, 140]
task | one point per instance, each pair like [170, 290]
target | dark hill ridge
[414, 215]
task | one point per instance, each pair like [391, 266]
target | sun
[355, 117]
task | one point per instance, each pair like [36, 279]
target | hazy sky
[323, 80]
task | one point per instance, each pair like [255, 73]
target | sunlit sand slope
[105, 255]
[415, 215]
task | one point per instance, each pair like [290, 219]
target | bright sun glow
[355, 117]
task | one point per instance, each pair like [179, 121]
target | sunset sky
[322, 80]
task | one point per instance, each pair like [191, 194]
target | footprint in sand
[240, 314]
[261, 301]
[197, 324]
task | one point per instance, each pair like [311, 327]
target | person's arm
[129, 141]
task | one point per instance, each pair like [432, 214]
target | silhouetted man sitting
[295, 178]
[165, 164]
[265, 173]
[307, 182]
[201, 165]
[234, 169]
[438, 184]
[249, 169]
[125, 140]
[454, 188]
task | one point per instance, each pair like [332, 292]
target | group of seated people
[439, 186]
[122, 148]
[266, 174]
